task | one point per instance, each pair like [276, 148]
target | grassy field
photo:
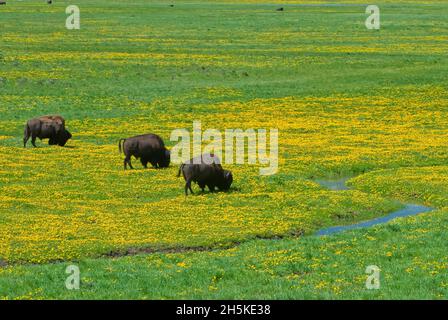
[369, 104]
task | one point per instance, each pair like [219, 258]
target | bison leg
[127, 161]
[144, 162]
[202, 186]
[188, 187]
[153, 164]
[33, 140]
[211, 187]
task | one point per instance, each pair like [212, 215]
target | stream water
[340, 184]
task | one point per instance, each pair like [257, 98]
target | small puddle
[340, 184]
[334, 184]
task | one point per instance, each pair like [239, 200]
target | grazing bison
[61, 139]
[205, 170]
[50, 127]
[148, 147]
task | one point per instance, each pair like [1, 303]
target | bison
[50, 127]
[205, 170]
[148, 147]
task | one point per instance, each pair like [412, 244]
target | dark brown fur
[50, 127]
[148, 148]
[205, 170]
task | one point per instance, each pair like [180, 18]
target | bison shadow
[49, 146]
[206, 191]
[149, 168]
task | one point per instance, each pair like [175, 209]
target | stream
[340, 184]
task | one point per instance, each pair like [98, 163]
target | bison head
[64, 137]
[226, 181]
[165, 159]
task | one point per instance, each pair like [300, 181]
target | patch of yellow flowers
[67, 203]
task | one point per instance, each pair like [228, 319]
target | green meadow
[348, 102]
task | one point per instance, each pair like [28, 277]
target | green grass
[347, 101]
[411, 254]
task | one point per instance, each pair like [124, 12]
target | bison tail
[119, 144]
[27, 130]
[180, 170]
[26, 134]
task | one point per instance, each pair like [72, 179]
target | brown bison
[205, 170]
[50, 127]
[148, 147]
